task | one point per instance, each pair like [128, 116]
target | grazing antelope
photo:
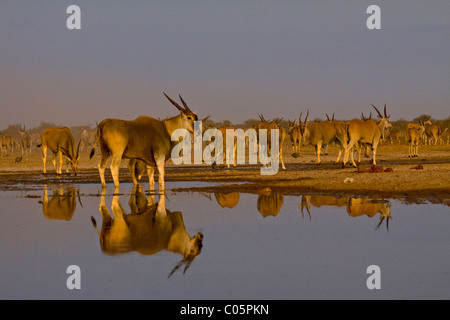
[148, 229]
[294, 134]
[144, 138]
[321, 134]
[60, 141]
[269, 126]
[413, 135]
[25, 141]
[368, 131]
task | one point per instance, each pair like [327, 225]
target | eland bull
[144, 138]
[60, 141]
[148, 229]
[366, 132]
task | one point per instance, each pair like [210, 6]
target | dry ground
[302, 176]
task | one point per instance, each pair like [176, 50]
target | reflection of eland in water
[269, 204]
[148, 229]
[355, 206]
[62, 205]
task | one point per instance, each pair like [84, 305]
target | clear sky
[228, 59]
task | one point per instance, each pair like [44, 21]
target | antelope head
[303, 124]
[383, 121]
[188, 117]
[74, 160]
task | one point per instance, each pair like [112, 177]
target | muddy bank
[427, 176]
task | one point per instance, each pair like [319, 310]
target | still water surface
[133, 245]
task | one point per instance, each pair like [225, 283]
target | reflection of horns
[179, 264]
[381, 221]
[94, 223]
[79, 198]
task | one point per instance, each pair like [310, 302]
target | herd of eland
[147, 142]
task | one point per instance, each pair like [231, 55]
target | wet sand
[427, 176]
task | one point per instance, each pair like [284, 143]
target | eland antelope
[423, 121]
[294, 134]
[25, 141]
[394, 135]
[321, 134]
[413, 135]
[60, 141]
[369, 132]
[144, 138]
[432, 133]
[269, 126]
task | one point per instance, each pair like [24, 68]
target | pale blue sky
[230, 59]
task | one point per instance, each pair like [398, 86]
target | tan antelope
[294, 134]
[7, 144]
[446, 136]
[61, 142]
[321, 134]
[25, 141]
[269, 126]
[226, 149]
[368, 131]
[394, 135]
[412, 138]
[88, 138]
[432, 133]
[422, 122]
[148, 229]
[370, 207]
[144, 138]
[1, 145]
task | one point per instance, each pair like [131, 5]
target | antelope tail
[97, 137]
